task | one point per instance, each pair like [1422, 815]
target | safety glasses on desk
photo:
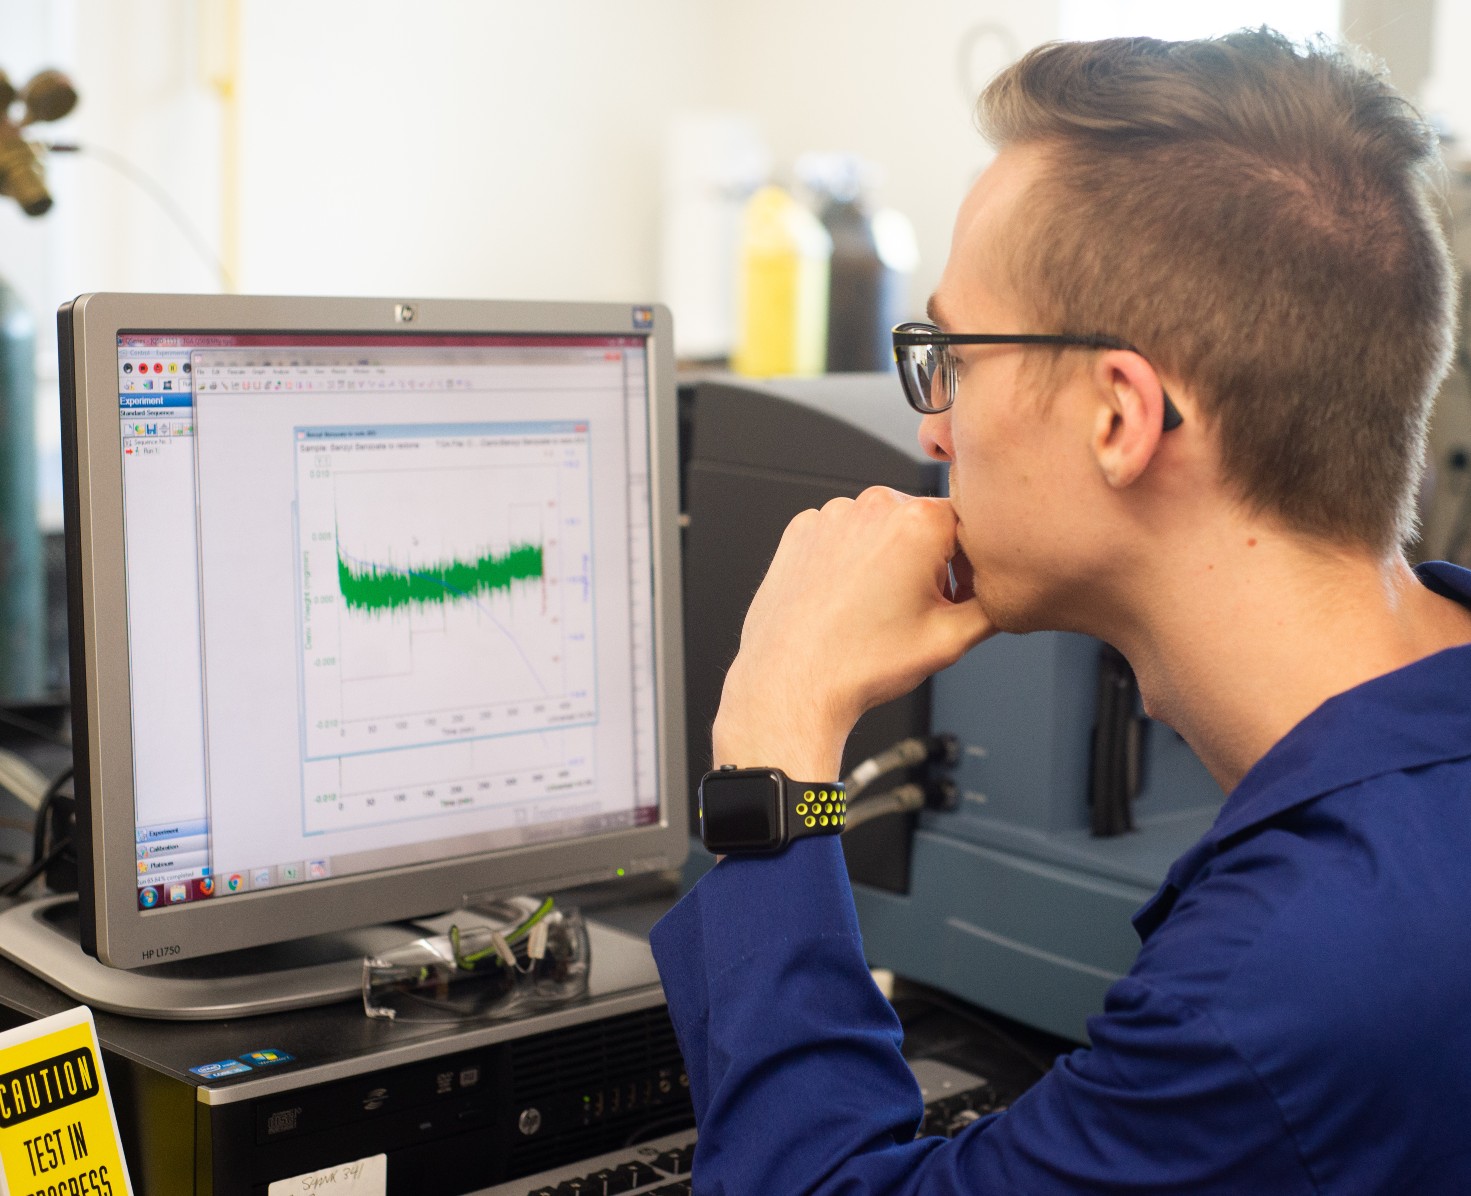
[520, 955]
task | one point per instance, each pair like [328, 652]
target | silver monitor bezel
[113, 927]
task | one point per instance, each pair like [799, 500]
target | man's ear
[1129, 419]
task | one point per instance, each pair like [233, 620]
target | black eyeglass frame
[917, 334]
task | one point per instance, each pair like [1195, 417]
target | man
[1212, 466]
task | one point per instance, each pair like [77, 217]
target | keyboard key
[608, 1182]
[638, 1173]
[676, 1162]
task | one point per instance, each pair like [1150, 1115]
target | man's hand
[855, 609]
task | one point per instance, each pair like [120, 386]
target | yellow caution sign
[58, 1135]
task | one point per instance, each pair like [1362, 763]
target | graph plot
[445, 585]
[369, 587]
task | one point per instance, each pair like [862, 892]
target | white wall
[142, 102]
[1448, 90]
[466, 148]
[460, 147]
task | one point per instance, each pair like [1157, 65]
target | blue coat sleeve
[792, 1052]
[799, 1086]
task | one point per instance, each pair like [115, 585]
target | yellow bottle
[782, 290]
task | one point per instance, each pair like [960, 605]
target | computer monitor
[374, 609]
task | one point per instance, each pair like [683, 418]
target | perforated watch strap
[816, 808]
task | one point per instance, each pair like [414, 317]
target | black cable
[42, 857]
[31, 727]
[16, 886]
[43, 811]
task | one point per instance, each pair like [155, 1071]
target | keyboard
[661, 1167]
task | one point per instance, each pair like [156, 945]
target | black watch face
[741, 811]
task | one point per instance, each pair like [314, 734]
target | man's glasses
[923, 355]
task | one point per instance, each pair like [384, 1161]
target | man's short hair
[1255, 216]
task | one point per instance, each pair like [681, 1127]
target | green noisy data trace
[382, 589]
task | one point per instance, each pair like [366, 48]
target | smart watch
[758, 811]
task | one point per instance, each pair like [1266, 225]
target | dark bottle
[873, 255]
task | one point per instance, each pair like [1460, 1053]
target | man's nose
[934, 436]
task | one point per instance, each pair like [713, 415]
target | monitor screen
[377, 613]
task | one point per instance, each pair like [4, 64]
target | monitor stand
[42, 937]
